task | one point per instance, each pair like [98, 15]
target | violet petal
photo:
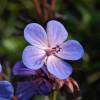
[20, 69]
[58, 67]
[36, 35]
[33, 57]
[56, 33]
[71, 50]
[0, 67]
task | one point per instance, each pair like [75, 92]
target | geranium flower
[49, 47]
[26, 89]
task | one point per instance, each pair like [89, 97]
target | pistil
[54, 50]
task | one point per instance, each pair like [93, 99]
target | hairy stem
[53, 95]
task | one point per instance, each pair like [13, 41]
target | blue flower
[6, 89]
[50, 48]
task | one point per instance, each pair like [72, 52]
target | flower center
[53, 51]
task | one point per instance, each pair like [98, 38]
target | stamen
[58, 48]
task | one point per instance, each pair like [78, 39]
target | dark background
[82, 20]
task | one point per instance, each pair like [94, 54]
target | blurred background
[82, 20]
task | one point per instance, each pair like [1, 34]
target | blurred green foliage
[82, 20]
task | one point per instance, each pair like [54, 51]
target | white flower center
[53, 51]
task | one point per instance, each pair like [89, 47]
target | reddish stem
[53, 4]
[52, 8]
[37, 6]
[45, 10]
